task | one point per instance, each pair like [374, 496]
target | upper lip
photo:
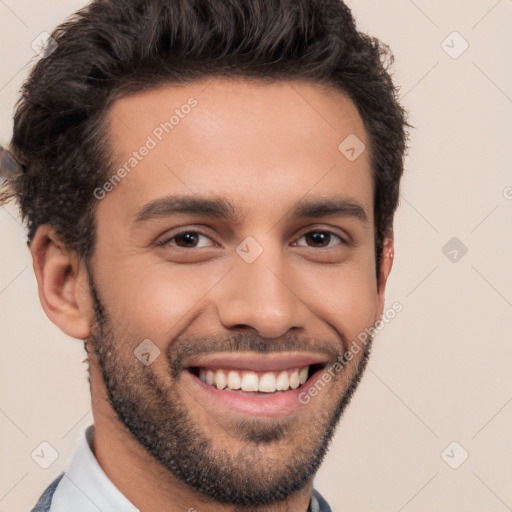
[258, 362]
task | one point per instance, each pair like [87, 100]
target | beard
[153, 412]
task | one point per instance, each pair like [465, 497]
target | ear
[386, 263]
[62, 283]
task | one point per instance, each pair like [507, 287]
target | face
[234, 265]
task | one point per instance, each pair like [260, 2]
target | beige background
[440, 371]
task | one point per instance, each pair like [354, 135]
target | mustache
[183, 349]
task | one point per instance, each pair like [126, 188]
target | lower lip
[278, 404]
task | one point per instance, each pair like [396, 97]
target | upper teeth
[247, 380]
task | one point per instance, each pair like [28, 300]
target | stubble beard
[159, 421]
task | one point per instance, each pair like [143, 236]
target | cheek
[154, 300]
[344, 298]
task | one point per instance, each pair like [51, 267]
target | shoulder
[318, 503]
[45, 501]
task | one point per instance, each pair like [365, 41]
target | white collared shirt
[85, 487]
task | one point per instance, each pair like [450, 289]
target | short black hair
[112, 48]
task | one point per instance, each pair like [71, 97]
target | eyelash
[167, 241]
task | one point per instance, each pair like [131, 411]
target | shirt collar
[85, 487]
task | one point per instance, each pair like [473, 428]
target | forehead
[257, 144]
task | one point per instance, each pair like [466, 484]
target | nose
[264, 295]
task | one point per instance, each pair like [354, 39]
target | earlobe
[62, 283]
[385, 266]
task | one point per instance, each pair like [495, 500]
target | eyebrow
[329, 206]
[223, 209]
[165, 206]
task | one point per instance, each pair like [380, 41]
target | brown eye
[321, 239]
[187, 240]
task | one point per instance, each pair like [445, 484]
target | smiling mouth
[255, 382]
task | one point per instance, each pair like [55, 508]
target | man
[209, 189]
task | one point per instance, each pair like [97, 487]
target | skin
[262, 147]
